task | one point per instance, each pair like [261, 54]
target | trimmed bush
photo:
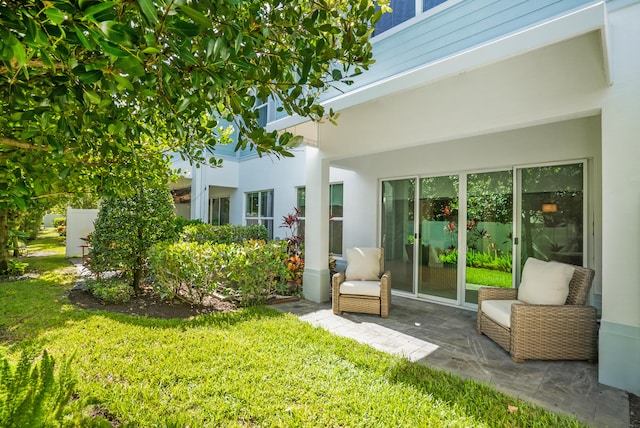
[127, 227]
[250, 271]
[180, 223]
[225, 234]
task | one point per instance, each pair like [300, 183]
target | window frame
[260, 217]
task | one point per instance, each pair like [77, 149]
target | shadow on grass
[478, 401]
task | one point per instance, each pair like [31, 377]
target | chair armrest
[553, 332]
[496, 293]
[554, 317]
[385, 294]
[338, 278]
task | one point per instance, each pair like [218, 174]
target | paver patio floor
[446, 338]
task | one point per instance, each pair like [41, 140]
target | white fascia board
[565, 27]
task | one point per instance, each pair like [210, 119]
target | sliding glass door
[489, 231]
[438, 237]
[437, 248]
[398, 238]
[552, 213]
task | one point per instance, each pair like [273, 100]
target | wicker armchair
[545, 332]
[370, 295]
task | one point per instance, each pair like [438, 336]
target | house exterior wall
[620, 326]
[485, 85]
[282, 176]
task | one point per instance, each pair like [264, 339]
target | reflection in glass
[438, 236]
[552, 213]
[489, 232]
[397, 231]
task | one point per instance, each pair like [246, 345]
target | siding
[455, 29]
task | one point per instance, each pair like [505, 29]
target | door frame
[462, 218]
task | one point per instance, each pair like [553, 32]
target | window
[403, 10]
[219, 211]
[261, 108]
[259, 210]
[301, 196]
[335, 215]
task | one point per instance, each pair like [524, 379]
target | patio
[446, 338]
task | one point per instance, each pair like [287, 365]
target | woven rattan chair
[545, 332]
[365, 295]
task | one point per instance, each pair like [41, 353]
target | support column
[620, 327]
[315, 283]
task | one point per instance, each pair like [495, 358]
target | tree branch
[21, 144]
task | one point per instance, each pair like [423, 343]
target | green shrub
[16, 268]
[31, 395]
[180, 223]
[225, 234]
[127, 227]
[487, 260]
[59, 221]
[188, 270]
[250, 271]
[111, 291]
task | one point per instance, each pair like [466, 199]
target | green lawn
[488, 277]
[255, 367]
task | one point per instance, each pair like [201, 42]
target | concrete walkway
[446, 338]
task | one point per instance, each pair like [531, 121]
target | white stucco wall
[269, 173]
[620, 327]
[47, 220]
[79, 225]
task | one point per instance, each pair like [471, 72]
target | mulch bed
[150, 305]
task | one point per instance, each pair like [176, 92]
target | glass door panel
[397, 220]
[489, 232]
[438, 249]
[552, 207]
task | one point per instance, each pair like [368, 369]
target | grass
[255, 367]
[488, 277]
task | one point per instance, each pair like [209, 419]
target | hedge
[250, 271]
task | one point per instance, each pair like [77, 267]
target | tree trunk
[16, 246]
[4, 241]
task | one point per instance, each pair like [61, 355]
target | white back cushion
[545, 283]
[363, 264]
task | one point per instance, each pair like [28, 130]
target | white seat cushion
[363, 264]
[545, 283]
[499, 310]
[361, 288]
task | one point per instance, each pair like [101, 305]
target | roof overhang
[592, 18]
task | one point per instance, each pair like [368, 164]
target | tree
[95, 92]
[127, 227]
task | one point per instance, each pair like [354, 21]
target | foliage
[96, 93]
[111, 290]
[294, 240]
[180, 223]
[487, 260]
[16, 268]
[31, 395]
[225, 234]
[295, 266]
[449, 257]
[250, 271]
[127, 227]
[59, 221]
